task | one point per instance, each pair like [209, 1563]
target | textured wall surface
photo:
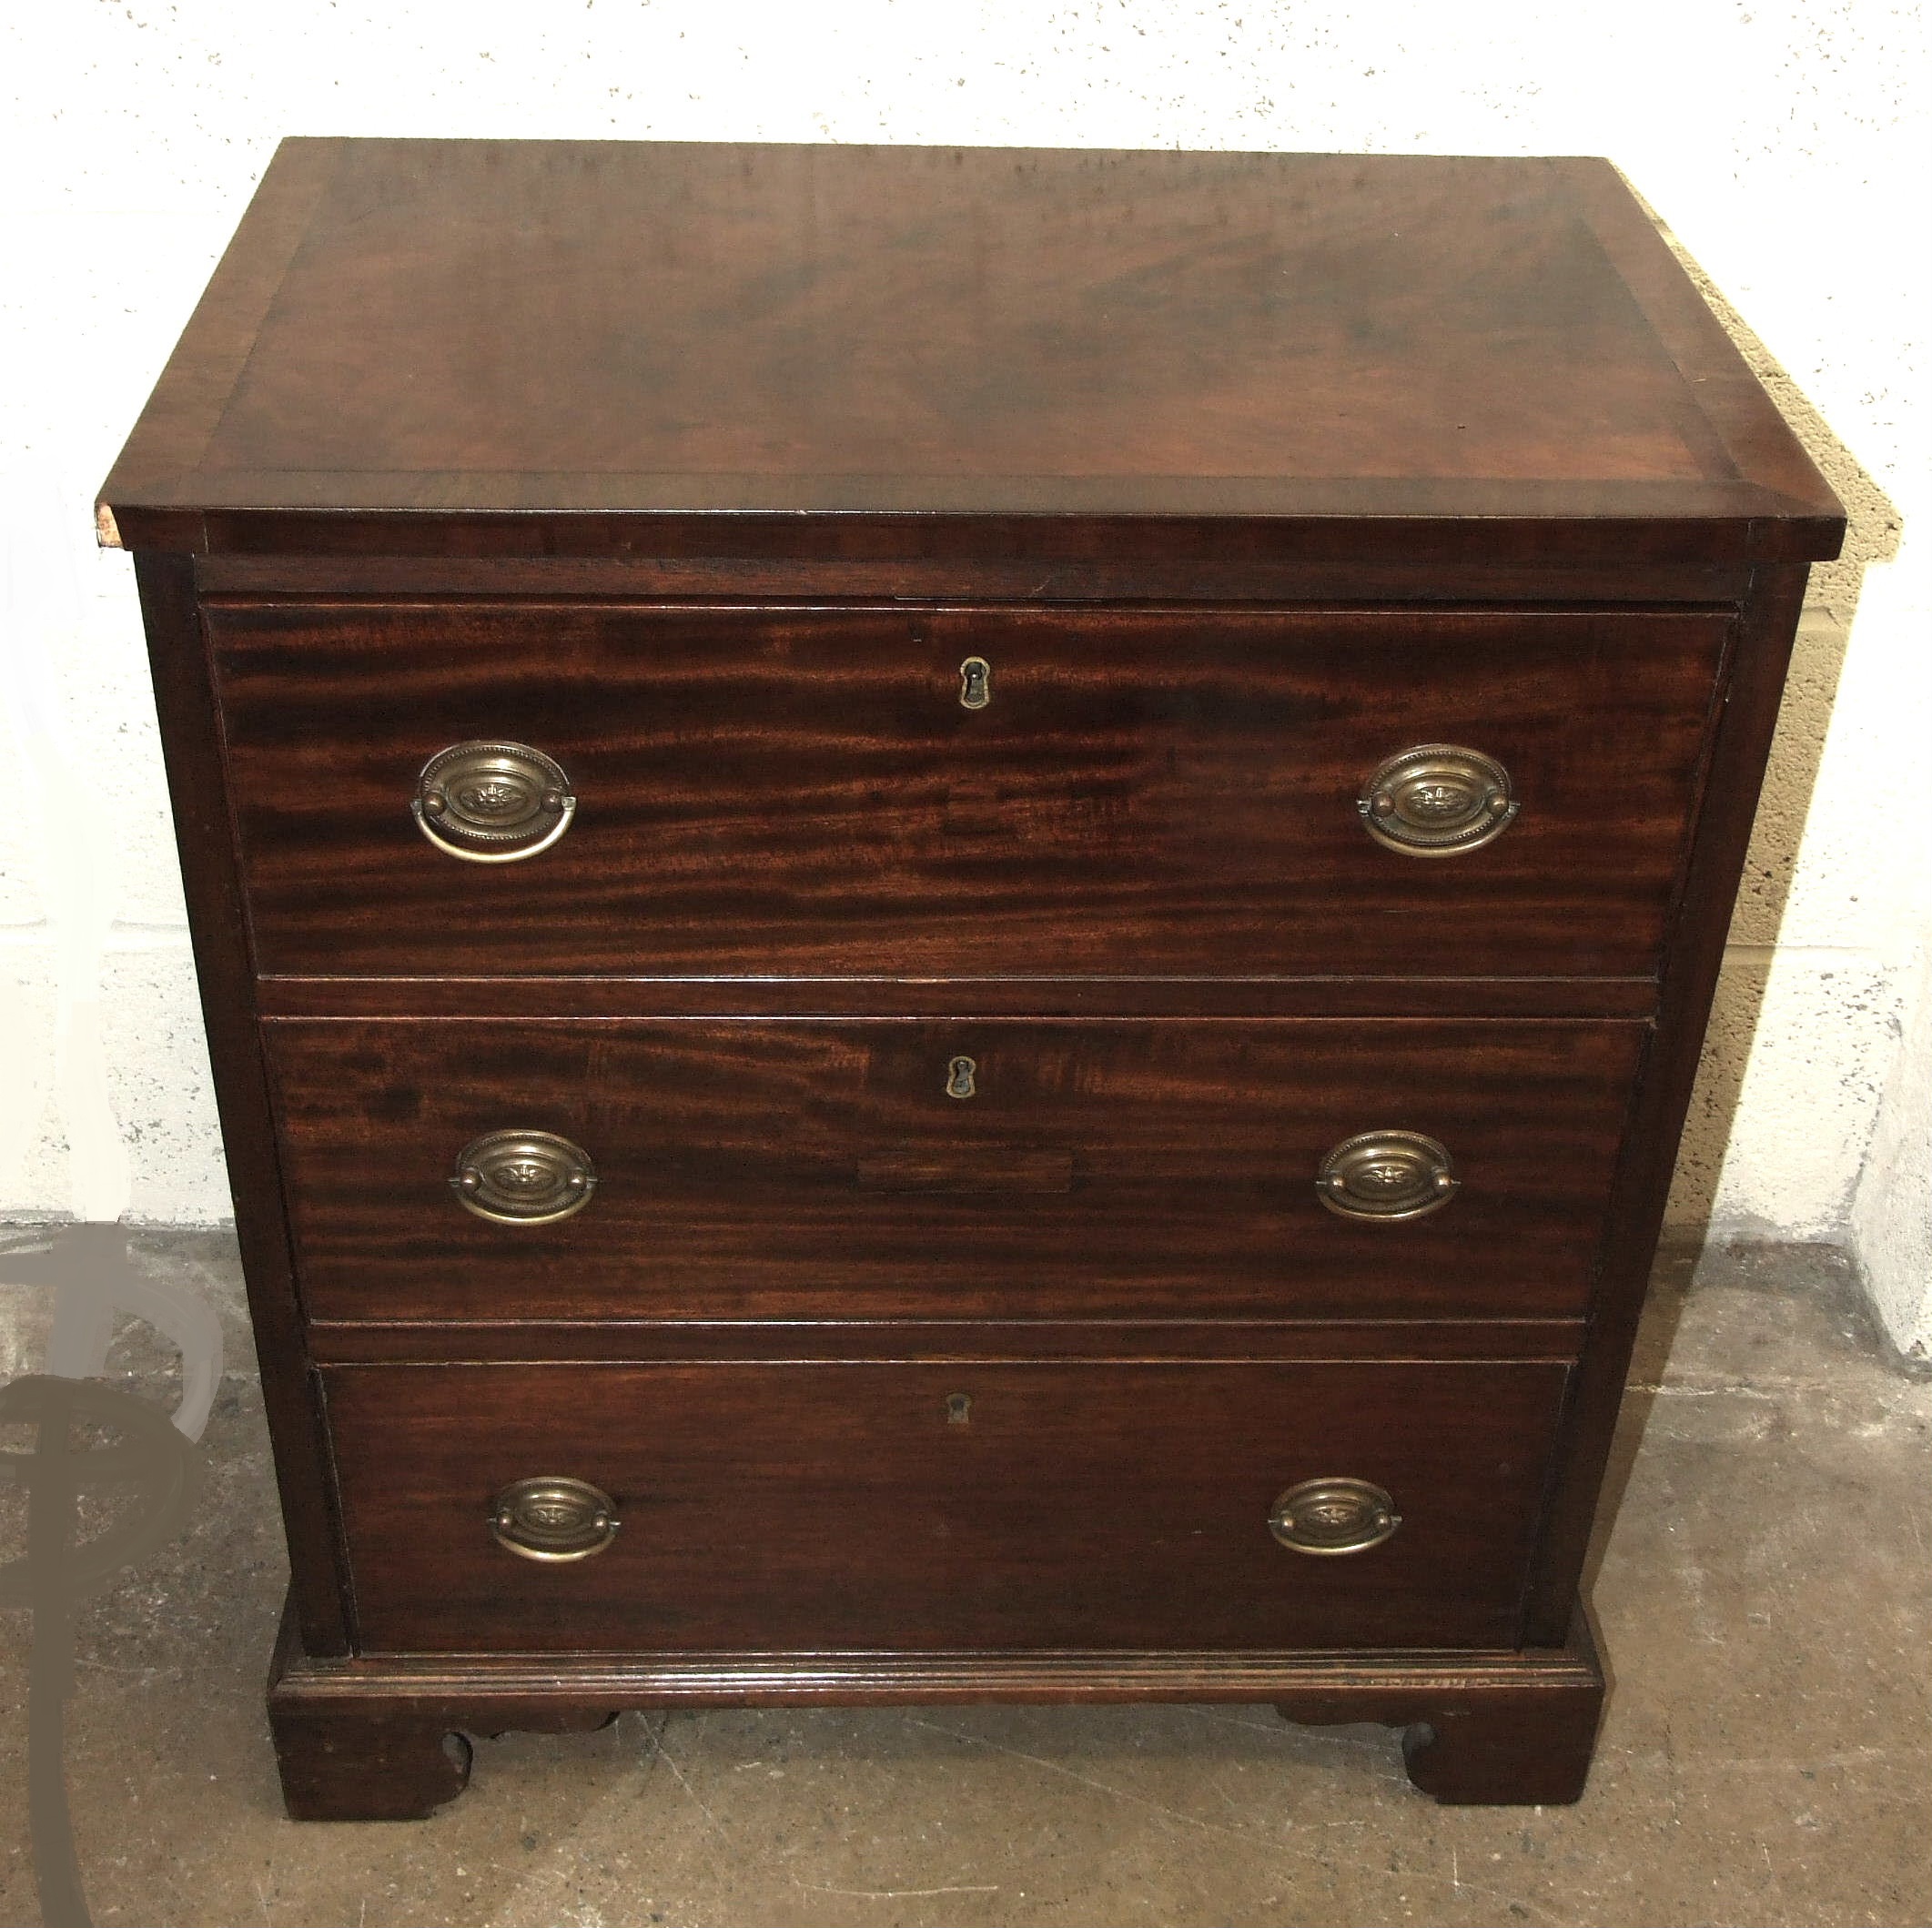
[1782, 141]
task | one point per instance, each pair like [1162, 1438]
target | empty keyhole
[960, 1078]
[958, 1409]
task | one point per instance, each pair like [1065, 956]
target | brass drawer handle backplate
[524, 1177]
[1389, 1175]
[554, 1518]
[1333, 1515]
[1437, 801]
[492, 803]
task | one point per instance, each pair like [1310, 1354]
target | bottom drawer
[890, 1505]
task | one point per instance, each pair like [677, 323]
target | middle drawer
[957, 1168]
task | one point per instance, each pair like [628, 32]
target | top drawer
[972, 792]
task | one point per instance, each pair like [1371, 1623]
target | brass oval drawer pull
[492, 803]
[524, 1177]
[1388, 1175]
[1333, 1515]
[554, 1518]
[1437, 801]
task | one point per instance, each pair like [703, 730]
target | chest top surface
[702, 334]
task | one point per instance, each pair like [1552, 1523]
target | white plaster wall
[1785, 142]
[1892, 1212]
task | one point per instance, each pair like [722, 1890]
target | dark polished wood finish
[365, 1762]
[1140, 572]
[803, 792]
[702, 470]
[1107, 1168]
[1487, 1740]
[987, 997]
[1742, 743]
[1477, 1729]
[981, 1341]
[191, 734]
[937, 351]
[827, 1506]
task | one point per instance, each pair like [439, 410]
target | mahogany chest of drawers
[955, 909]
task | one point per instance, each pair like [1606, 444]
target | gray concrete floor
[1767, 1757]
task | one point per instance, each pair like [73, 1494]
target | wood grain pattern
[730, 1185]
[366, 1761]
[1729, 804]
[1260, 316]
[1079, 997]
[1488, 1739]
[1662, 529]
[1477, 1727]
[1239, 569]
[1531, 1749]
[212, 884]
[428, 1342]
[785, 793]
[702, 468]
[1500, 352]
[840, 1506]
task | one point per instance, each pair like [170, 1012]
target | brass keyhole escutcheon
[960, 1078]
[975, 683]
[959, 1409]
